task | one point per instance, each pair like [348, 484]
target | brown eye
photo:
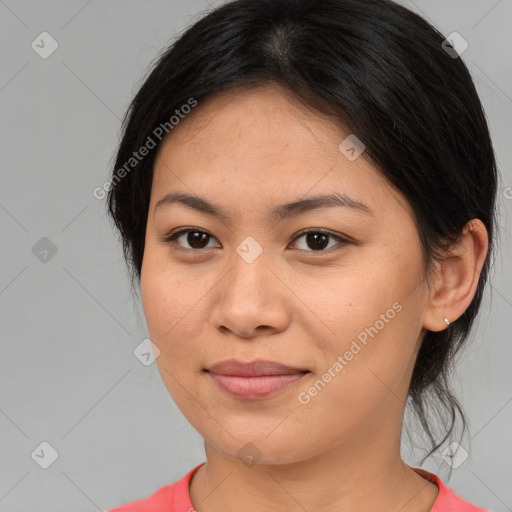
[195, 238]
[318, 240]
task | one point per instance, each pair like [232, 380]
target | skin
[248, 151]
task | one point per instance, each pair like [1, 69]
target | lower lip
[254, 387]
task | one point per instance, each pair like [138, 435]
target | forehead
[254, 111]
[263, 144]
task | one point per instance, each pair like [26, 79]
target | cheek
[369, 316]
[170, 306]
[175, 305]
[337, 306]
[168, 302]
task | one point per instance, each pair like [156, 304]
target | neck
[357, 475]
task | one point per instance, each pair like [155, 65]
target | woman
[305, 192]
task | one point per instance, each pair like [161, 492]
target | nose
[251, 300]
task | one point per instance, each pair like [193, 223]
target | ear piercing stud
[446, 320]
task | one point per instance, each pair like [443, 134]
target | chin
[262, 450]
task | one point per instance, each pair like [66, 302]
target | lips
[257, 368]
[254, 380]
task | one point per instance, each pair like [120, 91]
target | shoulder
[159, 500]
[169, 498]
[447, 500]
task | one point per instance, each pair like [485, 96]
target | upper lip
[253, 369]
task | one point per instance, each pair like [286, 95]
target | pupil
[195, 237]
[314, 239]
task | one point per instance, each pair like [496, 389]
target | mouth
[253, 380]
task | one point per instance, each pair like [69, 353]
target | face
[342, 302]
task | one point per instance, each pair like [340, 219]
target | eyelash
[171, 238]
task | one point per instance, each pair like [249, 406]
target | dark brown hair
[383, 72]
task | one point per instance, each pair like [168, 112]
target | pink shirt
[175, 498]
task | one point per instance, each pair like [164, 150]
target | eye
[194, 237]
[317, 239]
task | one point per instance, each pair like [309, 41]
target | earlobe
[458, 278]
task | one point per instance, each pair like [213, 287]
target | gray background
[69, 325]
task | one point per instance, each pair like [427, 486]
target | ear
[456, 280]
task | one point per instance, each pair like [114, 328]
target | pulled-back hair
[383, 73]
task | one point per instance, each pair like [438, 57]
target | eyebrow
[279, 212]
